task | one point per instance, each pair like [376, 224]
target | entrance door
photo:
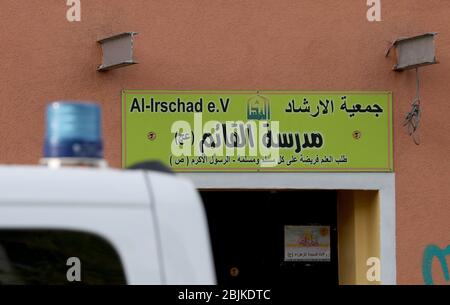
[273, 236]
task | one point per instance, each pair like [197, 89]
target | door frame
[384, 183]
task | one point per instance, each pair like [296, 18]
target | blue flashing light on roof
[73, 131]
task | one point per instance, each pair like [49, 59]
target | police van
[74, 220]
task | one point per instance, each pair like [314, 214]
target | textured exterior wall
[237, 45]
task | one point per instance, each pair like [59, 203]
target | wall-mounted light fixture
[117, 51]
[412, 53]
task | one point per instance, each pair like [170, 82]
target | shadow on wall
[432, 251]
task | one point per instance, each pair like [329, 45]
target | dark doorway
[248, 231]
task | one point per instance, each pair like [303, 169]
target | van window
[41, 257]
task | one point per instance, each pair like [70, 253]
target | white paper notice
[306, 243]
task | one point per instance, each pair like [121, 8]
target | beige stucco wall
[237, 45]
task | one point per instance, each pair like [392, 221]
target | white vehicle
[115, 226]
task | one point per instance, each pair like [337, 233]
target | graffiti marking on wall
[429, 254]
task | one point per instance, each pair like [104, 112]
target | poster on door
[307, 243]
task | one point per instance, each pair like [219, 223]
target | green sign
[270, 131]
